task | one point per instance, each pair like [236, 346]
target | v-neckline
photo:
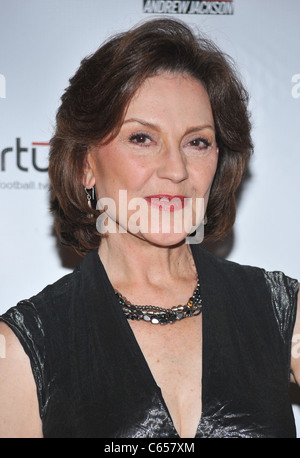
[145, 367]
[136, 349]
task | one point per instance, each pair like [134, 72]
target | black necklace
[160, 315]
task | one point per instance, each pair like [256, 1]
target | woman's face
[154, 178]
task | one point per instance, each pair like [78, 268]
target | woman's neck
[128, 259]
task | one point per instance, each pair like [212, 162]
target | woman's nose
[173, 165]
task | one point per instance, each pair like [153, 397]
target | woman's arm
[19, 410]
[295, 362]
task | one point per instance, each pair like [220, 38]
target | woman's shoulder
[270, 291]
[41, 327]
[52, 296]
[59, 295]
[230, 268]
[48, 312]
[36, 321]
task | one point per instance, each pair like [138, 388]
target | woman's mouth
[166, 202]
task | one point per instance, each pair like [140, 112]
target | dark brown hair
[94, 104]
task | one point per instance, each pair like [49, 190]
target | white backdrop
[41, 45]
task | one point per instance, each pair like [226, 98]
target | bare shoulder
[19, 410]
[295, 361]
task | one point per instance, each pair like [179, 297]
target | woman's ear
[88, 177]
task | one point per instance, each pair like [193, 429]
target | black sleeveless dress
[93, 381]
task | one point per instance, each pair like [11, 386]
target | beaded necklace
[160, 315]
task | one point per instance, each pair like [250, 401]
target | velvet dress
[94, 382]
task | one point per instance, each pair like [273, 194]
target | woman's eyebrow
[157, 128]
[201, 127]
[144, 123]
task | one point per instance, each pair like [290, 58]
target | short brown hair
[94, 104]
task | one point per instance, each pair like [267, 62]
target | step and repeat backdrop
[41, 45]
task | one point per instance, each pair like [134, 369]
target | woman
[152, 125]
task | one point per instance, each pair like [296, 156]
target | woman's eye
[200, 143]
[140, 139]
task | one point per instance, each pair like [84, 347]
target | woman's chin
[163, 239]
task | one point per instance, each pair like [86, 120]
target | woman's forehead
[170, 95]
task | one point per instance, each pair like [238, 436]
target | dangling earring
[205, 220]
[90, 195]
